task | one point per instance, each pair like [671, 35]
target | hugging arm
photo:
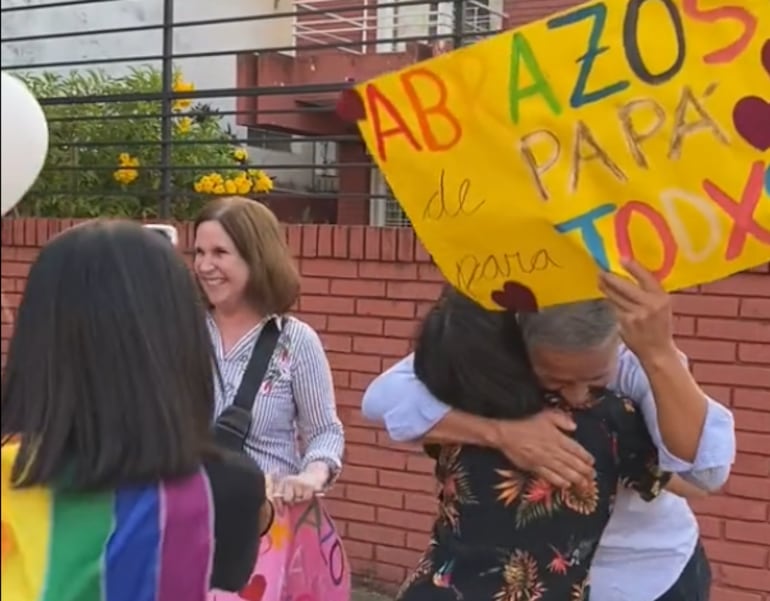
[399, 401]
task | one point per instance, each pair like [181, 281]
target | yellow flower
[219, 189]
[183, 125]
[127, 172]
[243, 183]
[262, 183]
[181, 86]
[240, 155]
[230, 186]
[125, 176]
[204, 185]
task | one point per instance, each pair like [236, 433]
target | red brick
[371, 345]
[405, 481]
[355, 325]
[752, 421]
[728, 329]
[749, 487]
[751, 399]
[754, 353]
[750, 532]
[751, 465]
[359, 475]
[330, 268]
[730, 507]
[376, 534]
[315, 285]
[358, 550]
[414, 290]
[751, 442]
[374, 496]
[702, 304]
[337, 342]
[327, 304]
[402, 328]
[737, 553]
[744, 284]
[710, 527]
[358, 288]
[720, 373]
[707, 350]
[417, 540]
[374, 457]
[344, 510]
[409, 520]
[756, 308]
[358, 435]
[387, 271]
[397, 556]
[747, 578]
[348, 361]
[723, 594]
[385, 308]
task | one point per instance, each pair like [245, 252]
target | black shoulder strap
[231, 429]
[258, 363]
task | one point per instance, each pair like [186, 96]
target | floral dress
[503, 534]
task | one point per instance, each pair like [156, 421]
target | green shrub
[104, 156]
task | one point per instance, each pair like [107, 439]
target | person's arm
[680, 487]
[397, 400]
[320, 428]
[410, 412]
[708, 464]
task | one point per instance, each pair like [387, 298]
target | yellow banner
[626, 128]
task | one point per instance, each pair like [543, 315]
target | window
[384, 210]
[269, 139]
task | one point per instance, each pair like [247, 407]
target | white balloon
[24, 133]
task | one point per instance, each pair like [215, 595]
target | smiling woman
[250, 282]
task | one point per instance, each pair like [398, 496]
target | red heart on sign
[255, 589]
[515, 297]
[751, 117]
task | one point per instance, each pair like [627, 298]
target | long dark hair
[474, 360]
[109, 376]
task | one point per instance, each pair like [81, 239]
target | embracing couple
[566, 442]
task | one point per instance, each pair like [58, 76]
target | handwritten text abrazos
[523, 57]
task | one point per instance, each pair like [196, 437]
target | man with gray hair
[649, 551]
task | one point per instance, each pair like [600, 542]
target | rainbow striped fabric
[150, 543]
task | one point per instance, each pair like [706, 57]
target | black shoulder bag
[233, 425]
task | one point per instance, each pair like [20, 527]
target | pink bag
[301, 558]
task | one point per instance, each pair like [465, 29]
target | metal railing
[147, 99]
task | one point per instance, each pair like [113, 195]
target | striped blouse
[294, 418]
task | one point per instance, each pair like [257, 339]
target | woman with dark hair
[504, 534]
[112, 488]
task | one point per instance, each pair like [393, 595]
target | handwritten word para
[472, 269]
[421, 83]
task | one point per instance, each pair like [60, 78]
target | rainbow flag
[151, 543]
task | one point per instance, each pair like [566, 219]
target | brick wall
[365, 289]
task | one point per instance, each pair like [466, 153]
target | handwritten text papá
[636, 128]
